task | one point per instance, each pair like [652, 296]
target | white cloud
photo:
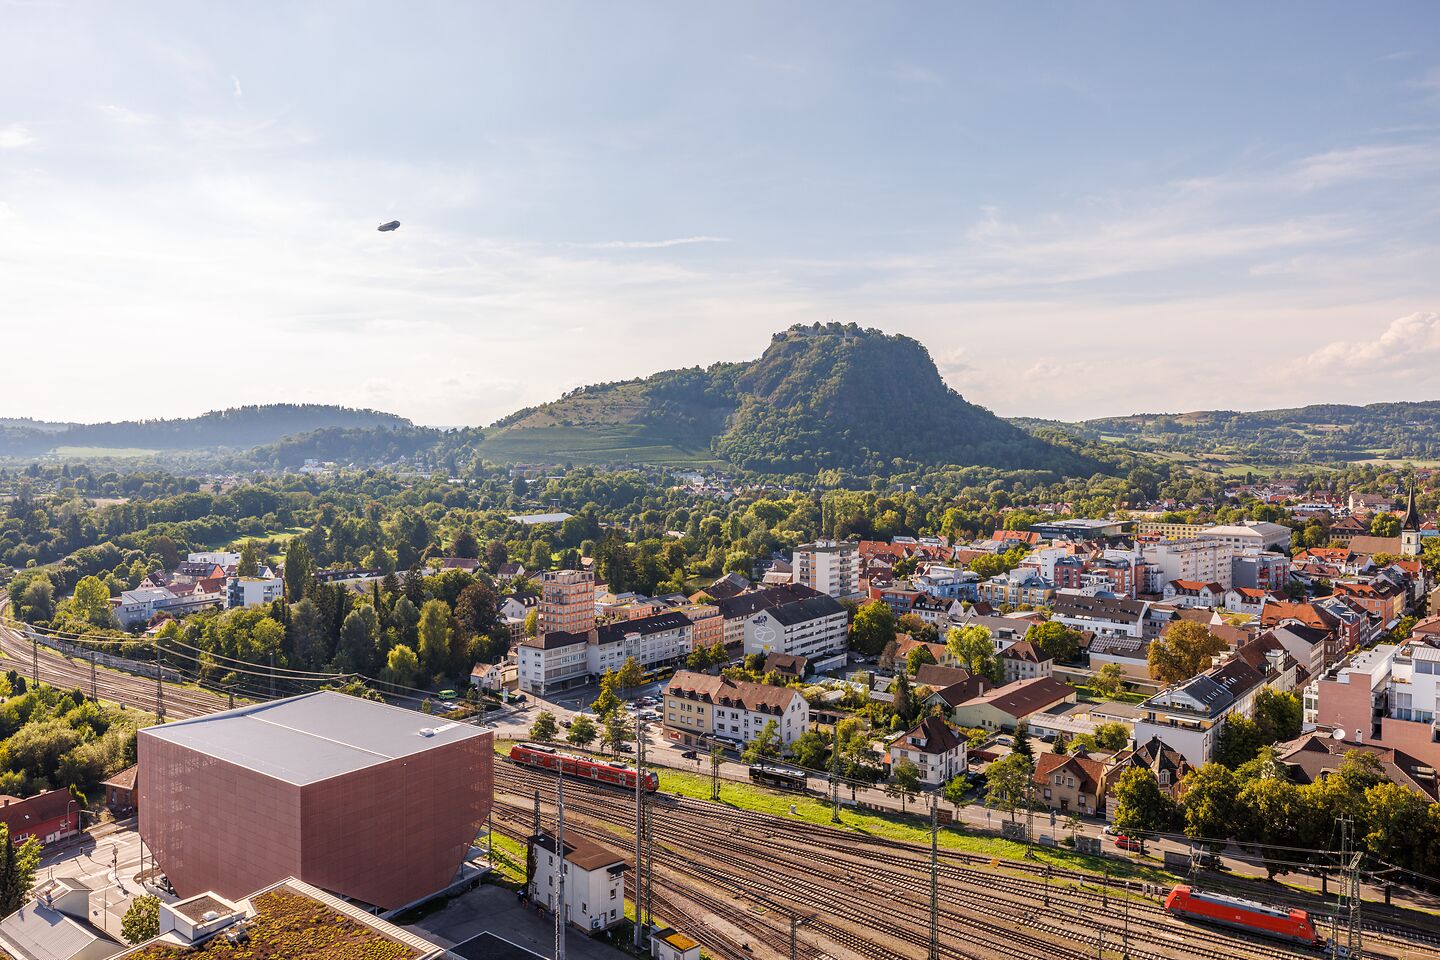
[654, 244]
[236, 81]
[15, 136]
[1408, 347]
[124, 115]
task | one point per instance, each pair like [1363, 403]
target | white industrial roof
[313, 737]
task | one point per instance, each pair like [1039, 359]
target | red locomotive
[583, 768]
[1280, 923]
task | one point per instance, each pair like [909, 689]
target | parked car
[1128, 843]
[690, 755]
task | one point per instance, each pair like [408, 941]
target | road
[138, 692]
[106, 859]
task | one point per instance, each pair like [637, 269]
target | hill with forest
[1321, 434]
[821, 397]
[236, 428]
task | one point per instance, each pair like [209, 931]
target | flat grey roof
[313, 737]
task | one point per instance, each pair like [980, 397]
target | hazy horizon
[1080, 210]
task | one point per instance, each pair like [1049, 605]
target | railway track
[827, 872]
[59, 670]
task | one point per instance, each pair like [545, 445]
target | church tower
[1410, 527]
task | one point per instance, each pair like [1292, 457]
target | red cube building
[363, 799]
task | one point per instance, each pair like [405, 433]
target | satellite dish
[1337, 734]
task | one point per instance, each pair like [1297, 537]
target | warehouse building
[366, 800]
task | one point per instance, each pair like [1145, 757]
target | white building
[1189, 716]
[935, 748]
[809, 628]
[702, 708]
[1202, 561]
[661, 640]
[1194, 593]
[829, 566]
[594, 880]
[1103, 616]
[254, 591]
[219, 558]
[1252, 535]
[55, 925]
[554, 661]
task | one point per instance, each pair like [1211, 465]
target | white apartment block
[806, 628]
[1202, 561]
[830, 566]
[701, 708]
[552, 662]
[254, 591]
[594, 880]
[557, 660]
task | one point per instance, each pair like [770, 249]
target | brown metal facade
[388, 834]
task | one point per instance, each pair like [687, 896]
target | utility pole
[934, 953]
[1350, 862]
[794, 925]
[159, 681]
[835, 777]
[560, 855]
[1125, 942]
[272, 675]
[35, 660]
[93, 695]
[639, 835]
[535, 831]
[716, 753]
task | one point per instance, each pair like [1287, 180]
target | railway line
[133, 691]
[1014, 912]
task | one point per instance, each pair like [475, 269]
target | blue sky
[1081, 209]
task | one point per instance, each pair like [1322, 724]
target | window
[612, 893]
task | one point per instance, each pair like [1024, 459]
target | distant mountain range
[238, 428]
[821, 397]
[1320, 434]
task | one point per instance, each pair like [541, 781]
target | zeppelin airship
[387, 227]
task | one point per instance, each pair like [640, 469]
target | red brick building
[46, 816]
[366, 800]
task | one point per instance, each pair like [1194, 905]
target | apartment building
[553, 661]
[701, 709]
[1189, 716]
[1103, 616]
[254, 591]
[1023, 585]
[1202, 561]
[657, 641]
[1386, 696]
[1193, 593]
[567, 601]
[830, 566]
[790, 618]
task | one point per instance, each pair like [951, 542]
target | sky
[1081, 209]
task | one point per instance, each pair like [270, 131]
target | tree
[630, 676]
[1184, 650]
[974, 649]
[904, 782]
[1385, 525]
[917, 658]
[607, 702]
[435, 637]
[1022, 741]
[1207, 801]
[545, 728]
[1140, 806]
[1278, 715]
[356, 651]
[582, 731]
[811, 750]
[872, 628]
[765, 746]
[1113, 737]
[956, 788]
[298, 569]
[465, 545]
[532, 622]
[904, 703]
[1007, 783]
[142, 920]
[617, 731]
[1109, 680]
[1238, 742]
[698, 658]
[308, 636]
[1056, 640]
[91, 602]
[402, 666]
[252, 556]
[17, 871]
[1270, 810]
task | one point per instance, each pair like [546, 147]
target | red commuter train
[1280, 923]
[582, 768]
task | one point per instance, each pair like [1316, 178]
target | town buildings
[363, 799]
[831, 567]
[1189, 716]
[1070, 783]
[1004, 707]
[254, 591]
[790, 618]
[701, 709]
[55, 925]
[48, 817]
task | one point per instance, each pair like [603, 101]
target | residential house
[1102, 616]
[120, 793]
[1249, 600]
[1189, 716]
[488, 676]
[1166, 765]
[936, 749]
[1317, 755]
[48, 817]
[594, 880]
[1192, 593]
[1070, 783]
[1023, 661]
[55, 925]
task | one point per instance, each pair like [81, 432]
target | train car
[581, 767]
[786, 778]
[1279, 923]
